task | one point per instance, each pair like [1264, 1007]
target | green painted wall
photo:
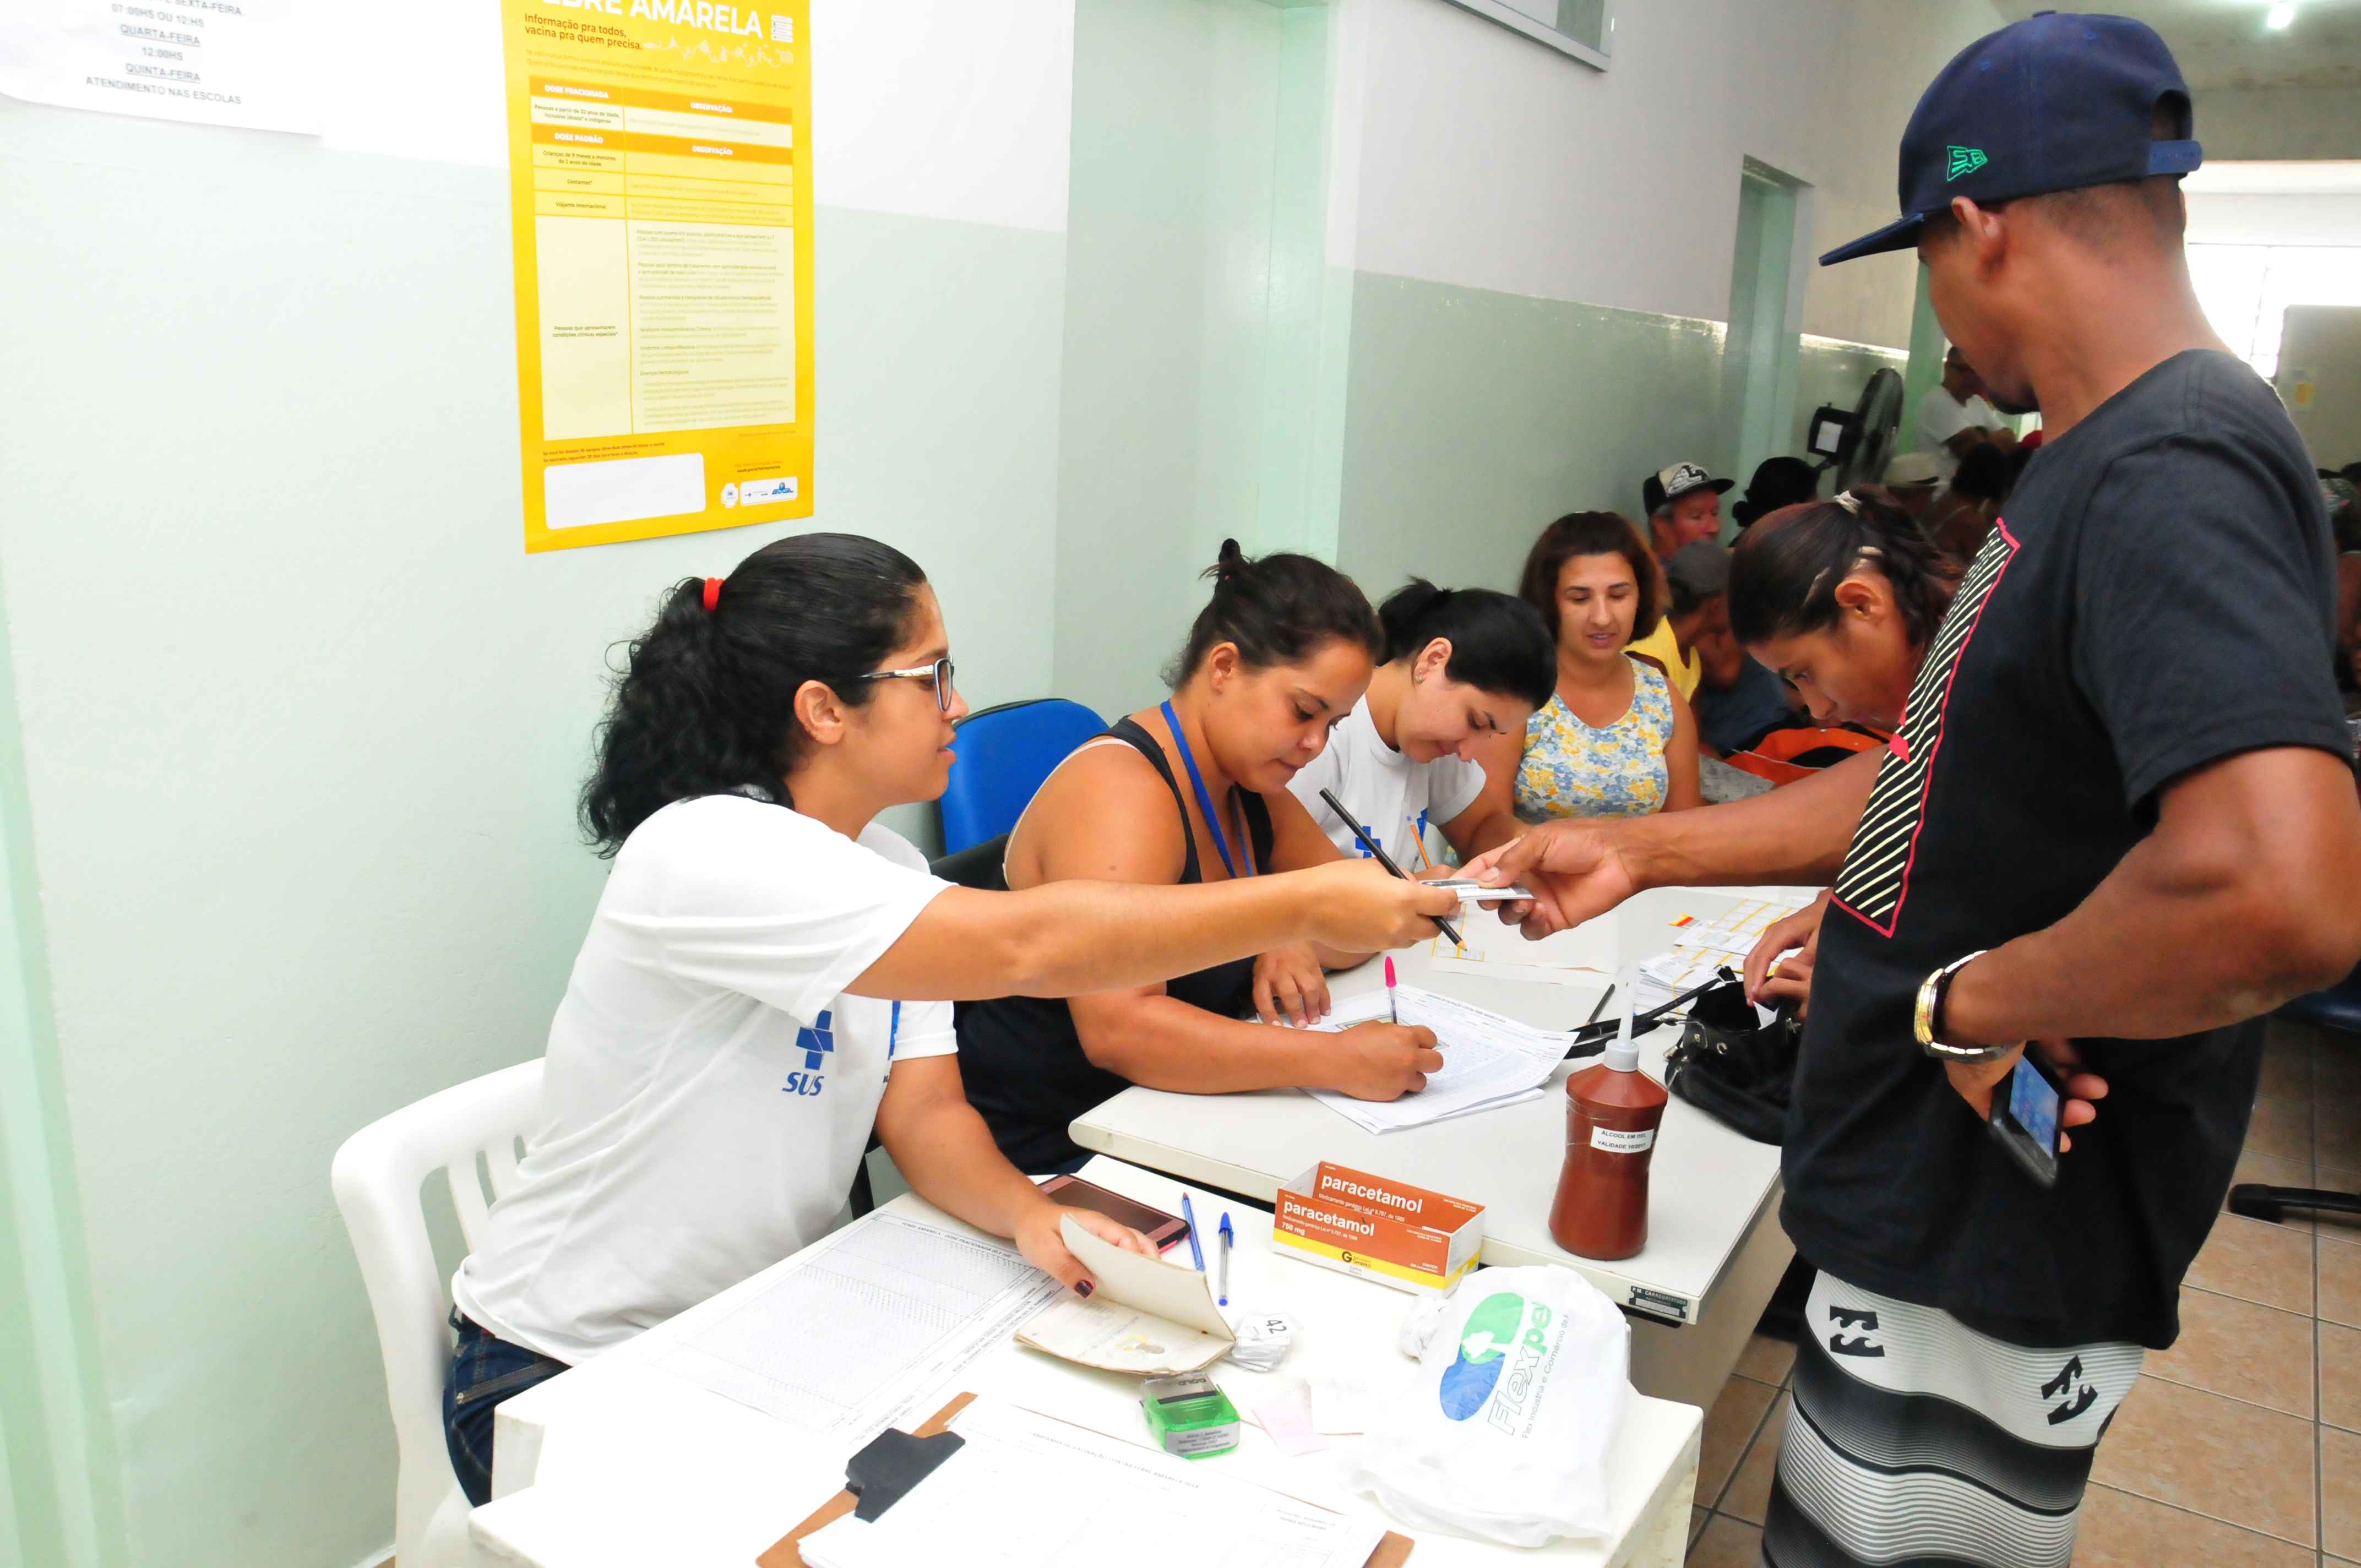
[1473, 418]
[303, 724]
[1202, 350]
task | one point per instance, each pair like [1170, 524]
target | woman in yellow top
[1615, 738]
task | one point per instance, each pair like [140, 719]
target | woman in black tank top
[1195, 790]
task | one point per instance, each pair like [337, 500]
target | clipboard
[786, 1552]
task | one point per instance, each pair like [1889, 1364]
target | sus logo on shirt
[815, 1042]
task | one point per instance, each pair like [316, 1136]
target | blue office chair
[2338, 1009]
[1004, 752]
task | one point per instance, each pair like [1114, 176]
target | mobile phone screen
[2034, 1106]
[2025, 1120]
[1160, 1229]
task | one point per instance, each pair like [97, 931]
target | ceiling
[2222, 43]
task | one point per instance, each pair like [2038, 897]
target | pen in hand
[1382, 858]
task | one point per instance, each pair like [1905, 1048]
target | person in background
[1777, 482]
[1194, 790]
[1962, 517]
[1683, 504]
[1615, 738]
[765, 977]
[1738, 700]
[2344, 498]
[1911, 478]
[1955, 416]
[2120, 813]
[1459, 666]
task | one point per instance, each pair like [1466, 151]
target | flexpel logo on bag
[1505, 1341]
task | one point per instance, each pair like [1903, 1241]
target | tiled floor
[2241, 1446]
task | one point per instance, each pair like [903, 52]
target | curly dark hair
[705, 701]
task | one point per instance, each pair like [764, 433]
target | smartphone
[1162, 1230]
[2026, 1113]
[1471, 892]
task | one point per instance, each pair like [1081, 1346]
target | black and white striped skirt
[1918, 1443]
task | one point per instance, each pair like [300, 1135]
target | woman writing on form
[1191, 789]
[769, 970]
[1459, 666]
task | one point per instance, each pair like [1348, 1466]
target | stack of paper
[1702, 944]
[1489, 1062]
[900, 1305]
[1030, 1491]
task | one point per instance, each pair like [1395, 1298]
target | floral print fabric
[1573, 770]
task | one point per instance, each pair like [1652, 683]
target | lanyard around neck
[1205, 801]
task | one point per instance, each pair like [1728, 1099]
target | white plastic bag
[1522, 1374]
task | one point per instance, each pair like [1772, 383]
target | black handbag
[1734, 1068]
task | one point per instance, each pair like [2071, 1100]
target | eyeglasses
[939, 672]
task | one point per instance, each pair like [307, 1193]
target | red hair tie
[712, 595]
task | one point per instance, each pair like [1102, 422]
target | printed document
[1489, 1062]
[1030, 1491]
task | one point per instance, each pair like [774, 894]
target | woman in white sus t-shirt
[1461, 666]
[769, 972]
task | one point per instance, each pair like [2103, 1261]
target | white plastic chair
[376, 1177]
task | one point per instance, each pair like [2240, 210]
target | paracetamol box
[1396, 1234]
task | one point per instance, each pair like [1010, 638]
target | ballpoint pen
[1228, 1238]
[1383, 859]
[1195, 1252]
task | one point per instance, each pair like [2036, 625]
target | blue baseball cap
[2054, 103]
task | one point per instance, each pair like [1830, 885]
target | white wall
[2220, 218]
[1489, 161]
[303, 724]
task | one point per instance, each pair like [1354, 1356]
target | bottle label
[1613, 1142]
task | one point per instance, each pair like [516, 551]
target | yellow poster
[664, 297]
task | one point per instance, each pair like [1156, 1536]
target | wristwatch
[1929, 1017]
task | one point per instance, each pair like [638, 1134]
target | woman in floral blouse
[1615, 738]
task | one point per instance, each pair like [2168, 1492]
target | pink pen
[1391, 1011]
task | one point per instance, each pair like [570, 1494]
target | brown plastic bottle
[1611, 1114]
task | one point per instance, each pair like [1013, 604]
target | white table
[618, 1464]
[1715, 1250]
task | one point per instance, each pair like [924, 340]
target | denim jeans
[484, 1371]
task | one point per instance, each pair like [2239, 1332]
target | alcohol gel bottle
[1611, 1114]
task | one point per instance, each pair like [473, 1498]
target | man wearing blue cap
[2120, 812]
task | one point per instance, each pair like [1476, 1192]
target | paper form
[1029, 1491]
[866, 1325]
[1497, 949]
[1487, 1060]
[1149, 1317]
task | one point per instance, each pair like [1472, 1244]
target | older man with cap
[2119, 813]
[1684, 505]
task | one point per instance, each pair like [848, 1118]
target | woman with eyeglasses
[1194, 789]
[769, 972]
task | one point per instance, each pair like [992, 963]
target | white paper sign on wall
[215, 62]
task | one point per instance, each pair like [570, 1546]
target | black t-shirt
[2156, 595]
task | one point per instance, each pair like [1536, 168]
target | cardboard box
[1387, 1230]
